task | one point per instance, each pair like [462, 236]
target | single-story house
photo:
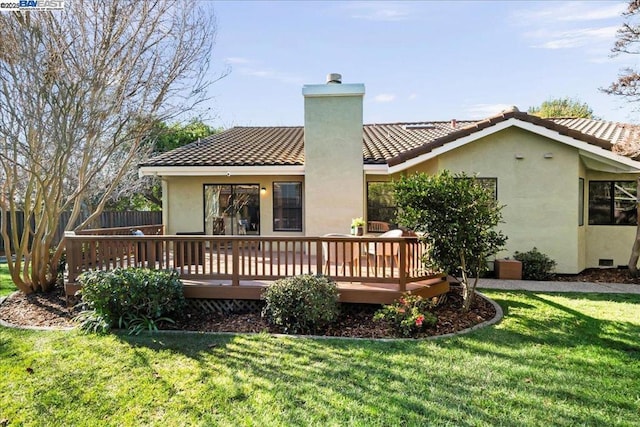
[566, 191]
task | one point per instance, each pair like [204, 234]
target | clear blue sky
[418, 60]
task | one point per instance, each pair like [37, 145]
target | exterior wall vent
[605, 262]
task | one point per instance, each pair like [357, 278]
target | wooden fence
[106, 220]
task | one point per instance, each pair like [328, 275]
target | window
[231, 209]
[381, 204]
[287, 206]
[489, 184]
[612, 203]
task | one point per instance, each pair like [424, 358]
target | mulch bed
[50, 310]
[599, 275]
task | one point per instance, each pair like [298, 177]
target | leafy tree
[77, 86]
[562, 107]
[457, 219]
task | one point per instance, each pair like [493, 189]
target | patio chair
[378, 226]
[384, 251]
[337, 253]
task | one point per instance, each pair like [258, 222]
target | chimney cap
[334, 78]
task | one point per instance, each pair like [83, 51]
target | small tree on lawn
[457, 218]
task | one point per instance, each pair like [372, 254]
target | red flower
[419, 320]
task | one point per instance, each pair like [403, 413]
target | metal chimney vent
[334, 78]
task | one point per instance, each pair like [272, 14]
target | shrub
[301, 304]
[409, 316]
[535, 265]
[457, 218]
[133, 298]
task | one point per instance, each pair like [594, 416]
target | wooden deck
[366, 269]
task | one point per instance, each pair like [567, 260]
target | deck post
[319, 255]
[235, 263]
[402, 268]
[72, 258]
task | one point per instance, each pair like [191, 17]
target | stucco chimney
[333, 167]
[454, 123]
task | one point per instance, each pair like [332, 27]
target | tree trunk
[635, 250]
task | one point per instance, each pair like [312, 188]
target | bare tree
[627, 86]
[75, 89]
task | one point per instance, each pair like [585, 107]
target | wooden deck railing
[235, 258]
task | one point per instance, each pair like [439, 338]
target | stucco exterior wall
[183, 201]
[334, 177]
[540, 194]
[611, 242]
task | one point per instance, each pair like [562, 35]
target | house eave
[376, 169]
[617, 162]
[601, 164]
[220, 170]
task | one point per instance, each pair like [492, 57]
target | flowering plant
[410, 315]
[357, 222]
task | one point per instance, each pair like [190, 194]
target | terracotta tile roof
[239, 146]
[390, 143]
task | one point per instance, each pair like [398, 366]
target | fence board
[106, 220]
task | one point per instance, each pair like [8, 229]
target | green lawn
[6, 284]
[571, 359]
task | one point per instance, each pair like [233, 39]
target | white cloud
[236, 60]
[384, 97]
[482, 111]
[270, 74]
[379, 11]
[570, 11]
[605, 12]
[585, 26]
[573, 38]
[413, 96]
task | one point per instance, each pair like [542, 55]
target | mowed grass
[6, 284]
[556, 359]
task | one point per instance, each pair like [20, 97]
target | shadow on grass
[546, 360]
[546, 321]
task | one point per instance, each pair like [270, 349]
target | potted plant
[357, 226]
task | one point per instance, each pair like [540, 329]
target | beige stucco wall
[183, 201]
[334, 177]
[607, 241]
[540, 194]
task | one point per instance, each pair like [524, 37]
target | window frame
[612, 190]
[276, 207]
[581, 202]
[395, 207]
[232, 185]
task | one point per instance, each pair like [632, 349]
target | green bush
[133, 298]
[301, 304]
[535, 265]
[409, 316]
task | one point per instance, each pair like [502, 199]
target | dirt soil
[599, 275]
[50, 310]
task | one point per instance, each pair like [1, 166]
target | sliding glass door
[232, 209]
